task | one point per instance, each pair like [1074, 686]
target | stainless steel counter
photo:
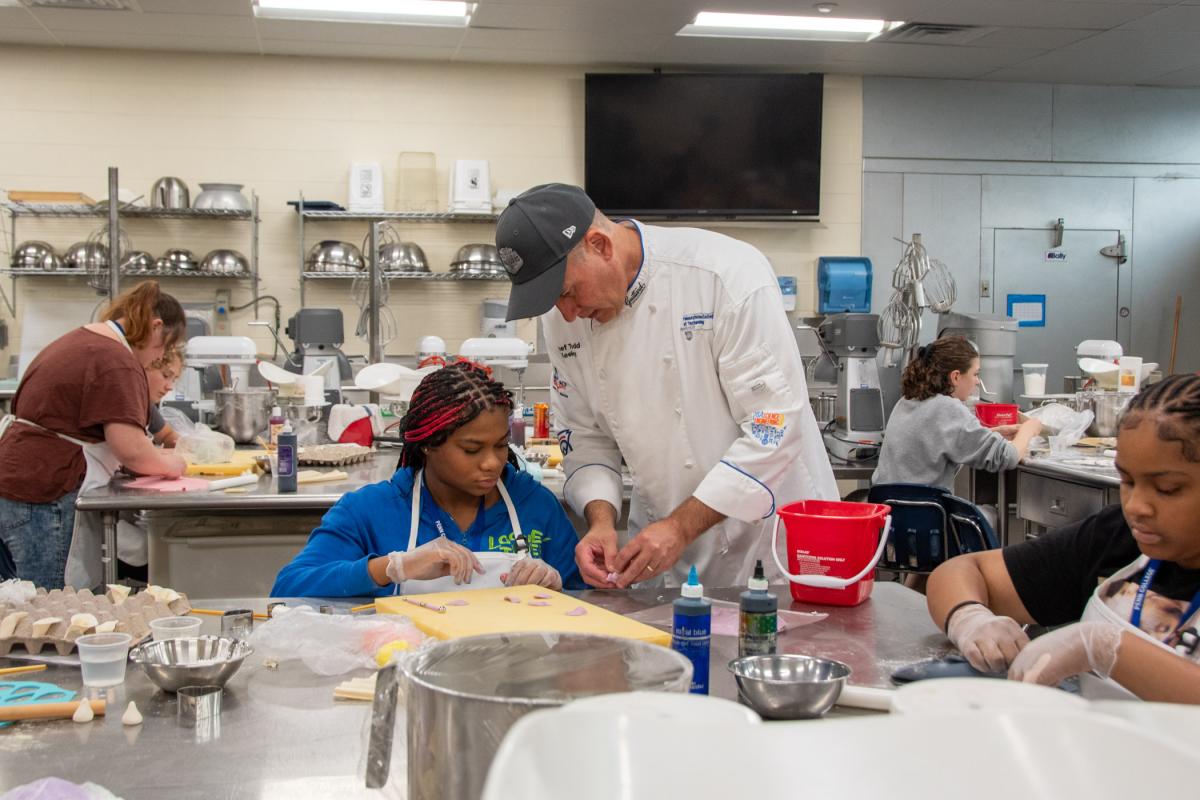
[1051, 493]
[282, 735]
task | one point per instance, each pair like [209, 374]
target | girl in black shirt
[1128, 578]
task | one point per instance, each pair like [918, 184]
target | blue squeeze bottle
[285, 452]
[692, 630]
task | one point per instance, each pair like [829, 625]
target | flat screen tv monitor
[740, 146]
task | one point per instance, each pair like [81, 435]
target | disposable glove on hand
[1078, 648]
[436, 558]
[533, 572]
[988, 642]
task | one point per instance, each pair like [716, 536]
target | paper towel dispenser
[843, 284]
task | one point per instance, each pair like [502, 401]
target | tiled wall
[285, 125]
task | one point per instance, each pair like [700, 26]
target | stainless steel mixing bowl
[201, 661]
[789, 686]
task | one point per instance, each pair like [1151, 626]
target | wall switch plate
[985, 288]
[221, 313]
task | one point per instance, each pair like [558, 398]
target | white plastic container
[366, 186]
[102, 658]
[174, 628]
[1035, 379]
[1129, 375]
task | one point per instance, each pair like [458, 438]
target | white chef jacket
[699, 385]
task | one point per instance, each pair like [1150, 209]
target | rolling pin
[45, 710]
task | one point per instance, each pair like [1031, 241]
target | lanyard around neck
[1135, 617]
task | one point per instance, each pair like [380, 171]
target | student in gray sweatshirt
[932, 433]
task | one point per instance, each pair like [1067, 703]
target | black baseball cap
[535, 233]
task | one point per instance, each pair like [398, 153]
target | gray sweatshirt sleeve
[981, 448]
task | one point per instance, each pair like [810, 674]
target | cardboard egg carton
[131, 614]
[334, 455]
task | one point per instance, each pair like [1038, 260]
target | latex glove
[533, 572]
[436, 558]
[1078, 648]
[988, 642]
[596, 555]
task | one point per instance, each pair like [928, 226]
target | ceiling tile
[1034, 38]
[1114, 57]
[1042, 13]
[339, 50]
[17, 19]
[167, 26]
[902, 55]
[133, 41]
[231, 8]
[1176, 19]
[1189, 77]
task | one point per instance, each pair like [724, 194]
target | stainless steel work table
[282, 735]
[1051, 494]
[114, 498]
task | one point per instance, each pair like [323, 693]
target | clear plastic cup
[1035, 379]
[174, 628]
[102, 657]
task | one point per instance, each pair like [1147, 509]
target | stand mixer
[318, 334]
[233, 356]
[852, 340]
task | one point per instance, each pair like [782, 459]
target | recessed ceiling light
[776, 26]
[443, 13]
[825, 8]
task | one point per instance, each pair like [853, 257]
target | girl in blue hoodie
[455, 494]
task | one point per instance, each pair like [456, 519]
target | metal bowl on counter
[35, 255]
[478, 259]
[179, 258]
[334, 256]
[789, 686]
[225, 262]
[172, 664]
[402, 257]
[244, 414]
[137, 261]
[86, 255]
[479, 686]
[1107, 408]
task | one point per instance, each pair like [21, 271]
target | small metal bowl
[35, 255]
[137, 261]
[86, 255]
[477, 259]
[179, 258]
[789, 686]
[201, 661]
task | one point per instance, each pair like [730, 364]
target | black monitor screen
[704, 145]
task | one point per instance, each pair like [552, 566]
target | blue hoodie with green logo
[374, 521]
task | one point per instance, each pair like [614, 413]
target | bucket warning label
[809, 564]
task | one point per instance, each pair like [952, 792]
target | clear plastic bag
[205, 446]
[332, 644]
[1063, 426]
[178, 420]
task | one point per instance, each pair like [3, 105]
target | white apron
[1093, 687]
[494, 564]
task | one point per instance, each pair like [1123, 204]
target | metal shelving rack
[376, 219]
[17, 210]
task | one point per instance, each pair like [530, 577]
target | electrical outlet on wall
[221, 313]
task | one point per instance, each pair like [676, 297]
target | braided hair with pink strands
[443, 402]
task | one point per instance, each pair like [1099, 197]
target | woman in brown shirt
[83, 398]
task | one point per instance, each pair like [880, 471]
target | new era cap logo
[569, 232]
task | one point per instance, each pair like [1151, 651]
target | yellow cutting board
[239, 462]
[488, 612]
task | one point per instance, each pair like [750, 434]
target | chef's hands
[436, 558]
[533, 572]
[1078, 648]
[988, 642]
[596, 555]
[651, 553]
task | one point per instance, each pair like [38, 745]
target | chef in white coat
[671, 350]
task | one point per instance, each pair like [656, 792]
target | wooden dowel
[46, 710]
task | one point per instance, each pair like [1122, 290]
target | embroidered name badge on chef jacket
[768, 428]
[559, 385]
[691, 324]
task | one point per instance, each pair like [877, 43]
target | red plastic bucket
[993, 414]
[832, 549]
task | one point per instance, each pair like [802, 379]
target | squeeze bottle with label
[758, 617]
[275, 425]
[516, 427]
[285, 452]
[692, 630]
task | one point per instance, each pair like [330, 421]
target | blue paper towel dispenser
[843, 284]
